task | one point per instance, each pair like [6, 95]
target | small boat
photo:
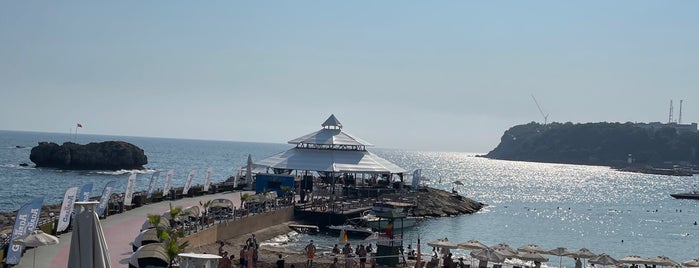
[688, 195]
[370, 219]
[391, 209]
[352, 230]
[304, 229]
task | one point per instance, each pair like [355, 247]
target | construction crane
[546, 116]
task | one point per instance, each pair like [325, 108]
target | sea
[551, 205]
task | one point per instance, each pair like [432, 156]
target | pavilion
[332, 153]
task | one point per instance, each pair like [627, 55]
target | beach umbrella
[505, 250]
[35, 239]
[583, 253]
[87, 245]
[603, 259]
[531, 256]
[663, 261]
[531, 248]
[633, 259]
[691, 263]
[471, 245]
[442, 243]
[560, 252]
[487, 255]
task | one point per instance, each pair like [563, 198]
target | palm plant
[169, 235]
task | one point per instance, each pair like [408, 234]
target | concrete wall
[239, 227]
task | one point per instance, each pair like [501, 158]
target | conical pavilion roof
[331, 135]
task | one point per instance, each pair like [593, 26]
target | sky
[415, 75]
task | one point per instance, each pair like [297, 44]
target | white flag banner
[151, 185]
[168, 182]
[188, 182]
[130, 186]
[207, 180]
[66, 209]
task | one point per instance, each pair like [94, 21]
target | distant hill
[599, 143]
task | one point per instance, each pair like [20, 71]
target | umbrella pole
[34, 264]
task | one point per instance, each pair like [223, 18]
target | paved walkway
[119, 231]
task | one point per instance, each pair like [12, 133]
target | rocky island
[108, 155]
[606, 144]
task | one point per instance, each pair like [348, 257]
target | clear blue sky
[427, 75]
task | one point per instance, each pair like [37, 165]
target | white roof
[330, 161]
[330, 137]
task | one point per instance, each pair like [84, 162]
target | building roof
[330, 150]
[330, 161]
[330, 135]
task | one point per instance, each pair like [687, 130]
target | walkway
[119, 231]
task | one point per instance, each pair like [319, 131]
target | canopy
[88, 248]
[330, 161]
[221, 202]
[331, 134]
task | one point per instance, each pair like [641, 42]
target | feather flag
[130, 187]
[67, 208]
[25, 222]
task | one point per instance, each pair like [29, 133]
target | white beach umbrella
[532, 256]
[505, 250]
[560, 252]
[471, 245]
[487, 255]
[663, 261]
[634, 259]
[583, 253]
[691, 263]
[603, 259]
[87, 245]
[531, 248]
[442, 243]
[36, 239]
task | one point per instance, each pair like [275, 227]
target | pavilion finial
[332, 122]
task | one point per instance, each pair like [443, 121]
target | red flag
[79, 125]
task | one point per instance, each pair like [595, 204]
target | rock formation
[108, 155]
[440, 203]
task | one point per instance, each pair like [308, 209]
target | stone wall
[239, 227]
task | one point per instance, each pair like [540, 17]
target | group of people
[248, 254]
[349, 255]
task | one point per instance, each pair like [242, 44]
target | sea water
[552, 205]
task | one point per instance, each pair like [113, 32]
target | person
[447, 261]
[254, 256]
[280, 262]
[334, 264]
[369, 249]
[349, 261]
[225, 262]
[461, 262]
[537, 264]
[361, 252]
[347, 250]
[249, 257]
[389, 228]
[310, 253]
[243, 254]
[220, 248]
[578, 263]
[336, 250]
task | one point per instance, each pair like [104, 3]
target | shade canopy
[532, 256]
[88, 247]
[330, 161]
[164, 223]
[472, 245]
[505, 250]
[487, 254]
[151, 254]
[221, 203]
[663, 261]
[531, 248]
[583, 253]
[633, 259]
[146, 237]
[603, 259]
[442, 243]
[691, 263]
[330, 136]
[36, 238]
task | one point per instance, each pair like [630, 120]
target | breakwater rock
[440, 203]
[108, 155]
